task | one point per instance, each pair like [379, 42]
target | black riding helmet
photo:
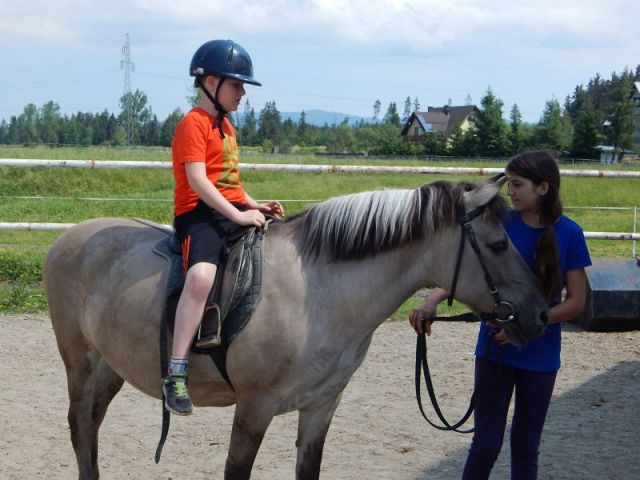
[224, 59]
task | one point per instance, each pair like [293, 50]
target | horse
[331, 275]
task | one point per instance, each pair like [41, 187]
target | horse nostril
[544, 317]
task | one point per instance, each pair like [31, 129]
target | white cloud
[416, 25]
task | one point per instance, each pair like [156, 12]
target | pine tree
[586, 132]
[491, 128]
[392, 117]
[407, 110]
[554, 128]
[376, 111]
[515, 133]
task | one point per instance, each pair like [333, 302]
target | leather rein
[502, 312]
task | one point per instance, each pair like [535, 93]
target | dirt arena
[592, 431]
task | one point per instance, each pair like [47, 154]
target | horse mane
[368, 223]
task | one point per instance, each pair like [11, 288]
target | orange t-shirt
[195, 140]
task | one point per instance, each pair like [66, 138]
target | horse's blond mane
[363, 224]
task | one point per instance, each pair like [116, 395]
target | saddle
[233, 295]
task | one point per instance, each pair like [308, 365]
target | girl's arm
[575, 299]
[427, 311]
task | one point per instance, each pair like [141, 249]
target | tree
[515, 133]
[169, 127]
[376, 110]
[134, 114]
[341, 139]
[407, 110]
[270, 125]
[491, 128]
[435, 144]
[586, 132]
[303, 129]
[249, 126]
[416, 105]
[391, 117]
[554, 128]
[27, 124]
[49, 122]
[622, 127]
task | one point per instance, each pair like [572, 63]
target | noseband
[502, 312]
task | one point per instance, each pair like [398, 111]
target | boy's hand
[273, 207]
[251, 218]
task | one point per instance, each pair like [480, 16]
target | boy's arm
[273, 207]
[200, 183]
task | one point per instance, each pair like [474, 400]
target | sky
[333, 55]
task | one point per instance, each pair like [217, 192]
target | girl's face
[231, 94]
[525, 195]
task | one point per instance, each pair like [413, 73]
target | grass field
[148, 194]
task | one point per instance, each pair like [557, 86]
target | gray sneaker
[176, 395]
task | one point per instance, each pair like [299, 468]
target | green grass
[22, 253]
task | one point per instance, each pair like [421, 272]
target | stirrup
[214, 339]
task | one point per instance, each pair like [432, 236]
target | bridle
[502, 312]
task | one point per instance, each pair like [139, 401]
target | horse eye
[499, 247]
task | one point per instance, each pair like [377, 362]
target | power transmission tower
[128, 66]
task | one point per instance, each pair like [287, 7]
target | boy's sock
[178, 366]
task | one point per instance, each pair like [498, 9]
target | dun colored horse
[331, 276]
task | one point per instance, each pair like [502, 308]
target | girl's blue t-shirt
[543, 353]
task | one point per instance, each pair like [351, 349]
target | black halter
[501, 312]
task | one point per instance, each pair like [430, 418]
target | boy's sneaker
[176, 395]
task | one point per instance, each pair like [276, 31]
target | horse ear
[484, 193]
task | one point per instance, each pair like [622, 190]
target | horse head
[484, 270]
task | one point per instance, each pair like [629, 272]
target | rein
[422, 366]
[422, 369]
[502, 312]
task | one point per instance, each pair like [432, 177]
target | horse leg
[313, 425]
[106, 387]
[250, 422]
[80, 362]
[92, 385]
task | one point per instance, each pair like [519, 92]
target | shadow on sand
[591, 432]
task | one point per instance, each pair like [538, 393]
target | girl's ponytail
[547, 264]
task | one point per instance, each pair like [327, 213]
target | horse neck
[369, 290]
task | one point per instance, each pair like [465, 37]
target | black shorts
[203, 234]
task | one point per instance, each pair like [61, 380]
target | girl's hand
[425, 312]
[273, 207]
[498, 334]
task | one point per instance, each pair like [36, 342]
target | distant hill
[320, 117]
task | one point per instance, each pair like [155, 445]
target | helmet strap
[214, 99]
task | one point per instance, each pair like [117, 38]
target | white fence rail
[66, 226]
[277, 167]
[282, 167]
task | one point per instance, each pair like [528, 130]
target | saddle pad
[241, 307]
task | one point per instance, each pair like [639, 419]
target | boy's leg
[533, 395]
[198, 283]
[197, 286]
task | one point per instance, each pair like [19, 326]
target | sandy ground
[592, 431]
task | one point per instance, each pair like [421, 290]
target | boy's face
[230, 94]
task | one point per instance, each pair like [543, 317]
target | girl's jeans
[533, 394]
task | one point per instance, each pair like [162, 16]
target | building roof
[441, 119]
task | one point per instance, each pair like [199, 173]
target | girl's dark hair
[541, 166]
